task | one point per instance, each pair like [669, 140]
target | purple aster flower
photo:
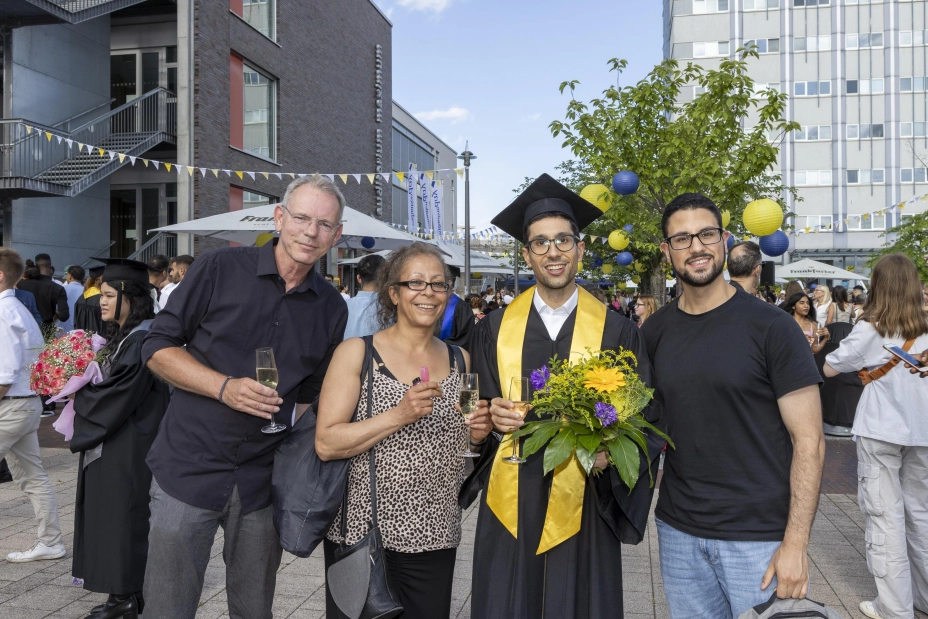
[606, 413]
[539, 378]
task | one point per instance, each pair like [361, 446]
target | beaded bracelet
[223, 388]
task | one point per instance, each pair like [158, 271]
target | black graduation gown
[87, 314]
[462, 324]
[111, 512]
[581, 578]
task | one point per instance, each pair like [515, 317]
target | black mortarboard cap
[96, 272]
[124, 269]
[545, 195]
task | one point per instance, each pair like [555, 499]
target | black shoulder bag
[358, 578]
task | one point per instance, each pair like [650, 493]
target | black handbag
[358, 580]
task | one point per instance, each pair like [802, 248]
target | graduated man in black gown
[534, 557]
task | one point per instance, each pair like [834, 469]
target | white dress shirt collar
[554, 318]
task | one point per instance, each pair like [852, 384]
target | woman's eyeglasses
[418, 285]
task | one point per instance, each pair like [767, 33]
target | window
[811, 44]
[864, 87]
[862, 1]
[259, 98]
[908, 38]
[864, 177]
[813, 177]
[811, 89]
[259, 14]
[813, 133]
[698, 90]
[864, 132]
[709, 6]
[811, 2]
[916, 175]
[760, 5]
[863, 40]
[760, 89]
[764, 46]
[710, 48]
[912, 84]
[813, 222]
[867, 221]
[912, 130]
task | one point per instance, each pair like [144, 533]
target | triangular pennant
[28, 129]
[278, 175]
[430, 175]
[48, 136]
[131, 159]
[331, 177]
[80, 147]
[344, 178]
[179, 169]
[111, 154]
[189, 170]
[101, 151]
[69, 141]
[203, 172]
[370, 178]
[357, 177]
[266, 175]
[122, 157]
[58, 137]
[240, 174]
[292, 175]
[167, 166]
[145, 161]
[215, 172]
[251, 174]
[385, 176]
[401, 176]
[228, 173]
[460, 172]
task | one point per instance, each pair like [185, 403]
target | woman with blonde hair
[824, 306]
[645, 307]
[891, 425]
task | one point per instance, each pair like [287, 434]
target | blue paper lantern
[774, 244]
[625, 183]
[731, 240]
[625, 258]
[367, 242]
[628, 228]
[598, 262]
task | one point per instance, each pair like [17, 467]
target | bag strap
[880, 372]
[366, 369]
[459, 359]
[372, 453]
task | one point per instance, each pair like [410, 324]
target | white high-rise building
[857, 74]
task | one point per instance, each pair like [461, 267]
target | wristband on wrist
[223, 388]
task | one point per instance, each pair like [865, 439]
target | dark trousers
[421, 580]
[179, 544]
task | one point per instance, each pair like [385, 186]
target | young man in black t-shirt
[739, 390]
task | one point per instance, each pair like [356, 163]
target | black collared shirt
[50, 299]
[233, 301]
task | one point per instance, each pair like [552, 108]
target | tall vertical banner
[411, 199]
[426, 210]
[436, 190]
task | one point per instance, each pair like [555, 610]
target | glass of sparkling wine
[470, 395]
[520, 396]
[267, 376]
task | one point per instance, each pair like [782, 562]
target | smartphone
[897, 350]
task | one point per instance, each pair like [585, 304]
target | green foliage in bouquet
[588, 407]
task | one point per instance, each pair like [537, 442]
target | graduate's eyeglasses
[326, 228]
[709, 236]
[418, 285]
[564, 242]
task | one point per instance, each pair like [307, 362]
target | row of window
[908, 38]
[867, 221]
[811, 89]
[812, 177]
[806, 178]
[701, 7]
[864, 132]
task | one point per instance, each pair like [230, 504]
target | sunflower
[604, 380]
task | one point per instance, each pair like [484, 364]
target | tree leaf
[559, 449]
[624, 455]
[586, 458]
[538, 439]
[590, 442]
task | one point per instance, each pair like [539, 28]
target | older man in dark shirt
[211, 462]
[50, 298]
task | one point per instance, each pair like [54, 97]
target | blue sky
[488, 71]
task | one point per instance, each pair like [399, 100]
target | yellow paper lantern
[263, 239]
[607, 269]
[763, 217]
[618, 240]
[640, 267]
[580, 266]
[477, 275]
[726, 219]
[670, 278]
[636, 280]
[621, 285]
[598, 195]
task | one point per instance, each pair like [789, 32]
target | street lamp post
[467, 156]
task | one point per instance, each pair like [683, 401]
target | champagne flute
[267, 376]
[519, 395]
[470, 394]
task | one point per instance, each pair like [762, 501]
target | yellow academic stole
[565, 503]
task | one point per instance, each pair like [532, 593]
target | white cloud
[427, 6]
[530, 118]
[456, 114]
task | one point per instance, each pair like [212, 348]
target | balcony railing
[163, 243]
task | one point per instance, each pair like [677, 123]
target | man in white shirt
[362, 309]
[74, 288]
[507, 298]
[20, 410]
[176, 272]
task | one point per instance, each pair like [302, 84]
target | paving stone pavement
[44, 589]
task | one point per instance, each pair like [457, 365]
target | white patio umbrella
[812, 269]
[479, 261]
[245, 225]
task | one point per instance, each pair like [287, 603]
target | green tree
[718, 144]
[910, 238]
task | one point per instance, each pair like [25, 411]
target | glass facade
[259, 114]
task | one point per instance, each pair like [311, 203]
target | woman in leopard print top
[416, 431]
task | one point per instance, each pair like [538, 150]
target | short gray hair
[316, 181]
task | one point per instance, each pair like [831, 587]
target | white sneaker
[868, 609]
[39, 552]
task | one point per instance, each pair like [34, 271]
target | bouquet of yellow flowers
[587, 407]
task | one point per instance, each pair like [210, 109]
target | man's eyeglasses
[326, 228]
[709, 236]
[418, 285]
[562, 243]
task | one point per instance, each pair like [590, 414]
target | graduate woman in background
[115, 423]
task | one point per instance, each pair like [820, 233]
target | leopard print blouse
[419, 472]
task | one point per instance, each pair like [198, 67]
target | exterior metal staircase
[36, 163]
[18, 13]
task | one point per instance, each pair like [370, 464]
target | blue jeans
[712, 579]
